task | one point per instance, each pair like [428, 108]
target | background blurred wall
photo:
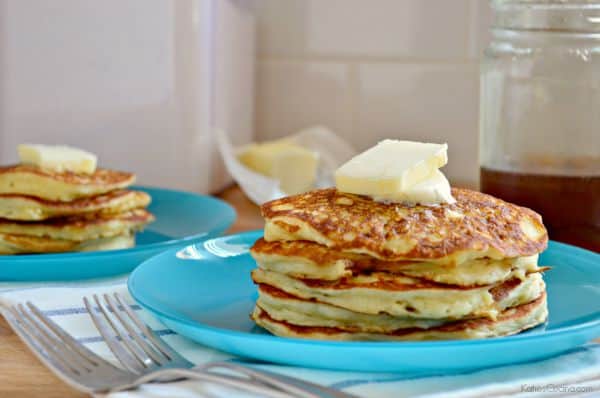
[140, 87]
[141, 83]
[372, 69]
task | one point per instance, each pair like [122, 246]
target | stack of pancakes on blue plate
[339, 266]
[43, 211]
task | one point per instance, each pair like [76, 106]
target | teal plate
[182, 218]
[204, 292]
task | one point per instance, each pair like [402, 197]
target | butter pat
[390, 168]
[58, 158]
[294, 166]
[435, 189]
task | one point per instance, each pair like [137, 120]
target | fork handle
[288, 384]
[169, 375]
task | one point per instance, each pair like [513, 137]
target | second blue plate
[182, 218]
[204, 292]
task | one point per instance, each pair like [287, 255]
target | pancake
[16, 244]
[282, 306]
[80, 228]
[65, 186]
[408, 297]
[30, 208]
[510, 321]
[308, 260]
[476, 226]
[102, 244]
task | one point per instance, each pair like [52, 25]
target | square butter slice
[58, 158]
[433, 190]
[390, 168]
[294, 166]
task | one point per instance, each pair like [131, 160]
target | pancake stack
[48, 212]
[337, 266]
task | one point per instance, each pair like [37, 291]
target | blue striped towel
[576, 372]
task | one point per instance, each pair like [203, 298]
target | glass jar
[540, 113]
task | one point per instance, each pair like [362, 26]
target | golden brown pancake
[30, 208]
[65, 186]
[476, 226]
[309, 260]
[18, 244]
[340, 266]
[399, 296]
[283, 306]
[118, 242]
[510, 321]
[80, 228]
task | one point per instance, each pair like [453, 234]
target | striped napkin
[576, 373]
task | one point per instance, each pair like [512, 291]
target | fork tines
[133, 343]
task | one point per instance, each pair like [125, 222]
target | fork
[86, 371]
[145, 353]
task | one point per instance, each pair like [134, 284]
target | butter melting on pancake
[29, 208]
[65, 186]
[339, 266]
[476, 226]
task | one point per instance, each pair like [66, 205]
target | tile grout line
[353, 81]
[470, 39]
[351, 59]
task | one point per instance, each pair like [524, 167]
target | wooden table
[22, 374]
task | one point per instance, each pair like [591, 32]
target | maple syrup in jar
[540, 113]
[569, 205]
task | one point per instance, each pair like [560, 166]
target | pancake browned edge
[408, 297]
[65, 186]
[476, 226]
[80, 228]
[345, 267]
[309, 260]
[19, 244]
[510, 321]
[29, 208]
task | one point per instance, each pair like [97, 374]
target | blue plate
[182, 218]
[204, 292]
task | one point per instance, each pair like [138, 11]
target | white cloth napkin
[577, 371]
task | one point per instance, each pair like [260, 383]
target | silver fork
[88, 372]
[143, 352]
[67, 358]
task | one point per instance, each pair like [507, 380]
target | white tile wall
[372, 69]
[422, 102]
[295, 94]
[142, 83]
[409, 28]
[479, 33]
